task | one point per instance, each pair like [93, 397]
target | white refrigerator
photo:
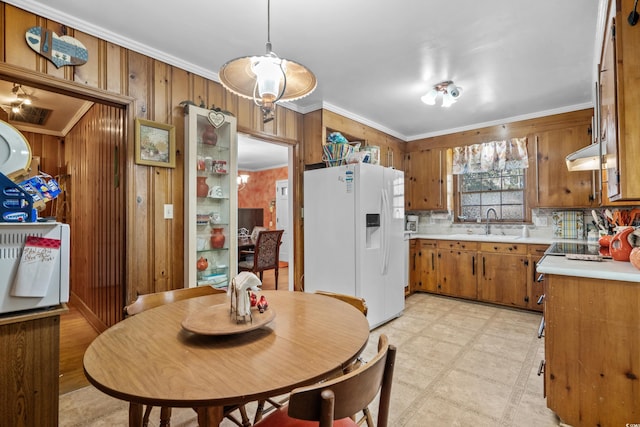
[354, 236]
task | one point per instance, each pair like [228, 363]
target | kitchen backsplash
[552, 223]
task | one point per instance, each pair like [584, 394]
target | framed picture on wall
[155, 144]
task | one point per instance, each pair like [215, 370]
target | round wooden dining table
[151, 359]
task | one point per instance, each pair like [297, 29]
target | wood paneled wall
[152, 90]
[504, 131]
[96, 191]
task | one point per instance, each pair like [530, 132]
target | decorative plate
[15, 152]
[216, 320]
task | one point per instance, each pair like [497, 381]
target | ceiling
[514, 59]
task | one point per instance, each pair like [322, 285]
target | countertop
[606, 269]
[533, 240]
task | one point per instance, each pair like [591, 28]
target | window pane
[471, 212]
[500, 190]
[471, 199]
[512, 197]
[512, 212]
[491, 198]
[471, 182]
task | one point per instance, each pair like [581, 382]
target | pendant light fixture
[267, 79]
[450, 94]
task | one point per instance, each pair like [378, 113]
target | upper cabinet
[210, 197]
[620, 103]
[320, 123]
[425, 179]
[554, 185]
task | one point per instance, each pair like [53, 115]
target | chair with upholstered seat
[333, 402]
[149, 301]
[266, 254]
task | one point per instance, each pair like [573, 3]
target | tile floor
[459, 363]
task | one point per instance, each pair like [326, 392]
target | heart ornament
[61, 50]
[216, 118]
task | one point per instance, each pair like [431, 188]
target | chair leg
[245, 422]
[145, 417]
[165, 417]
[259, 411]
[276, 273]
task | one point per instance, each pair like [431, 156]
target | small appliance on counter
[412, 223]
[51, 291]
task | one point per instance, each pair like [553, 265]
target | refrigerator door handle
[385, 231]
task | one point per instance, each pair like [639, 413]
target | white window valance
[491, 156]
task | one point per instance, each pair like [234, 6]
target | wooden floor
[76, 334]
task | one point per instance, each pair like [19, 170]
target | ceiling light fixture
[267, 79]
[21, 98]
[450, 94]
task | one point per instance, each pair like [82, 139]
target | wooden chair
[266, 255]
[333, 403]
[149, 301]
[357, 302]
[361, 305]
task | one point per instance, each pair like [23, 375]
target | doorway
[86, 154]
[282, 216]
[268, 163]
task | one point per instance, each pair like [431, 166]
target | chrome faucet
[495, 214]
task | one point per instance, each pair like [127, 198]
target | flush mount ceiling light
[267, 79]
[450, 94]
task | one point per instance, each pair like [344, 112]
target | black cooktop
[563, 248]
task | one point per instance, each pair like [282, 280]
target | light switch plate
[168, 211]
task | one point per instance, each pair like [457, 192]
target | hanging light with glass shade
[267, 79]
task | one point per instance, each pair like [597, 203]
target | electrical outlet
[168, 211]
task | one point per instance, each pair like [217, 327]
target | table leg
[210, 416]
[135, 414]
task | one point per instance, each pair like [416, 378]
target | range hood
[587, 158]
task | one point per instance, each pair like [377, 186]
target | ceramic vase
[620, 246]
[202, 264]
[209, 136]
[217, 238]
[202, 189]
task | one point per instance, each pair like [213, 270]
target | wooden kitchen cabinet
[502, 277]
[424, 266]
[456, 272]
[320, 123]
[535, 288]
[500, 273]
[620, 103]
[425, 179]
[555, 186]
[592, 351]
[30, 354]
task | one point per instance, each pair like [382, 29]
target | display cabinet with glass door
[210, 197]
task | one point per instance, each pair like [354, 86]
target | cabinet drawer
[428, 243]
[537, 249]
[458, 245]
[509, 248]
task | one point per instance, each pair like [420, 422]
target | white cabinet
[210, 197]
